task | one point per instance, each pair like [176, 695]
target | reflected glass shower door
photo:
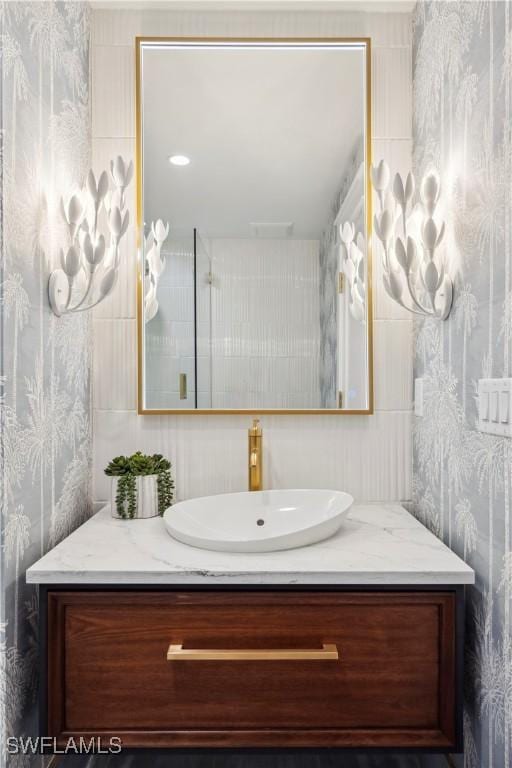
[177, 346]
[170, 327]
[203, 322]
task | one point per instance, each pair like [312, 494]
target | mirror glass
[253, 219]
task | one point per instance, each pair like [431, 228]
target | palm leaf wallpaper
[45, 362]
[462, 478]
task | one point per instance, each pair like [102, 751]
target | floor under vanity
[355, 642]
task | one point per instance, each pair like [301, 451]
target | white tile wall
[393, 361]
[392, 93]
[113, 27]
[118, 67]
[115, 364]
[368, 456]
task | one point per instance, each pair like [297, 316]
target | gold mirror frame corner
[141, 409]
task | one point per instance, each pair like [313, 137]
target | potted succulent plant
[142, 485]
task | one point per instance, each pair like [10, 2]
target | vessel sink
[259, 521]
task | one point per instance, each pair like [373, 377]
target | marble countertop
[379, 544]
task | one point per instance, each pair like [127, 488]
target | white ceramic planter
[146, 496]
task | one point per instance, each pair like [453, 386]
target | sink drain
[260, 522]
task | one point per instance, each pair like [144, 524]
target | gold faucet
[255, 456]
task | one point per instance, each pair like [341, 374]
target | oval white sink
[259, 521]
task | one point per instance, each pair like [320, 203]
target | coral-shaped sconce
[88, 256]
[155, 266]
[354, 269]
[415, 275]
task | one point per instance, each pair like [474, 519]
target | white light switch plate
[495, 406]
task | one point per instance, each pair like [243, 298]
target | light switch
[494, 406]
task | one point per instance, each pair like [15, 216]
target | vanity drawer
[392, 684]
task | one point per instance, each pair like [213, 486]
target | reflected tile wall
[265, 323]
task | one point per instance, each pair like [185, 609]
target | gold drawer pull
[328, 652]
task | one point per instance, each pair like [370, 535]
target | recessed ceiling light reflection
[179, 160]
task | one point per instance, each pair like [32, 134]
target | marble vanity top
[379, 544]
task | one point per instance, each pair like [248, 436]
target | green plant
[126, 495]
[127, 468]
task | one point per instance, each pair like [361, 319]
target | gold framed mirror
[254, 287]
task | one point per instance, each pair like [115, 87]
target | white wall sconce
[414, 274]
[354, 269]
[155, 266]
[88, 260]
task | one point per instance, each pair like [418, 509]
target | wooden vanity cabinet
[395, 684]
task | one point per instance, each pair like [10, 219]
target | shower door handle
[183, 386]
